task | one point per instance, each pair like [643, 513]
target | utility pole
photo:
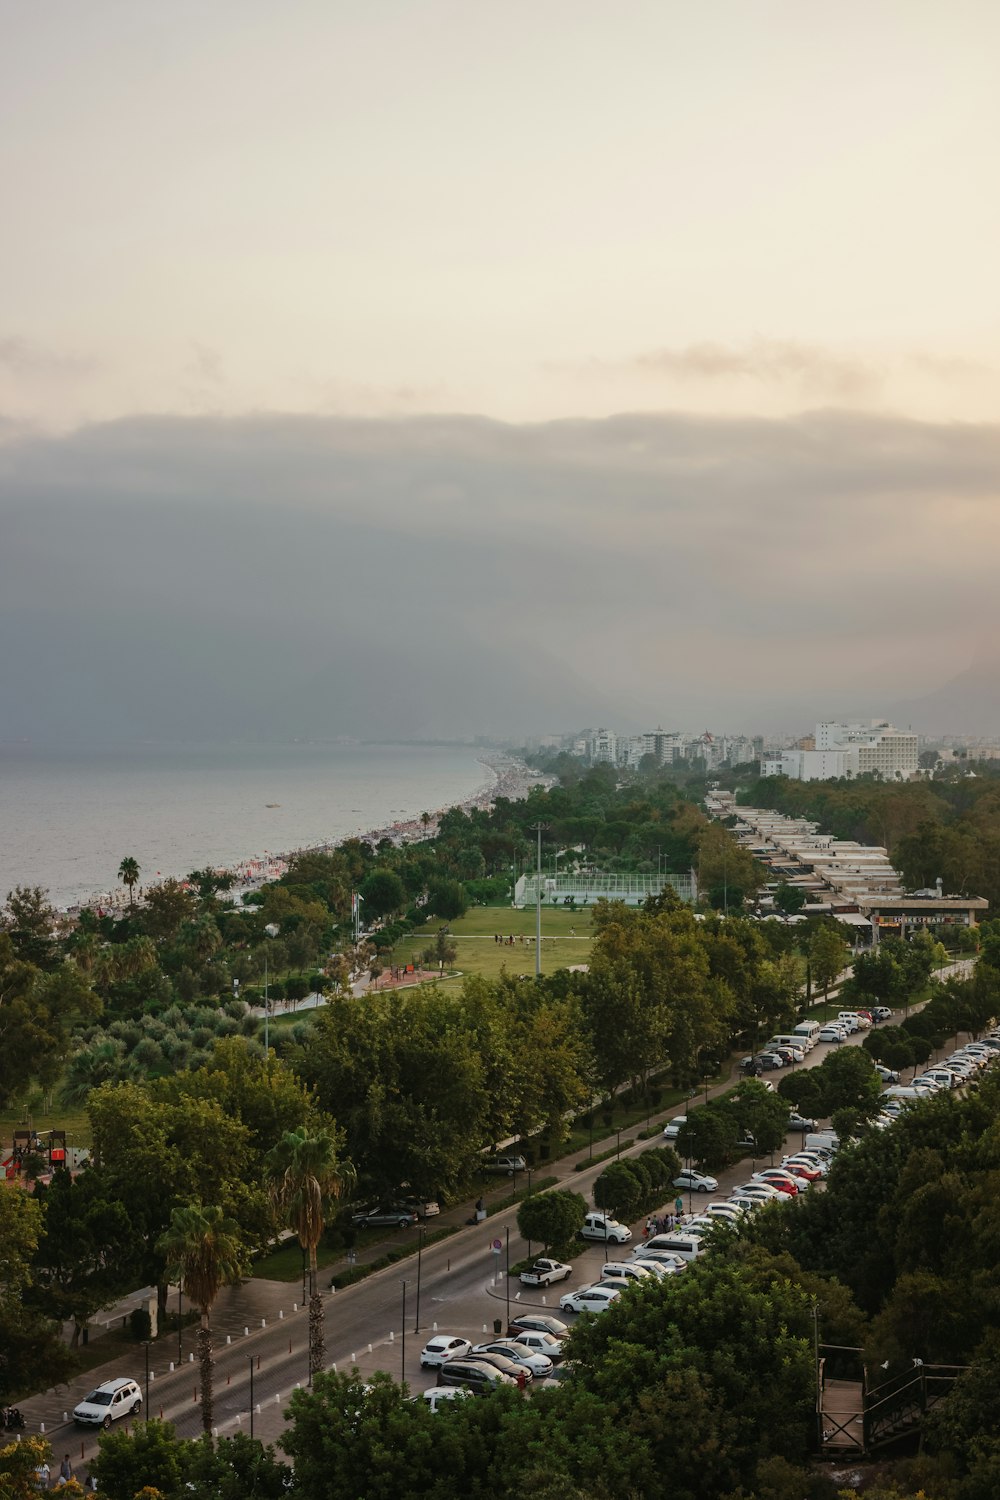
[537, 827]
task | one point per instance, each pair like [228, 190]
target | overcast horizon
[415, 372]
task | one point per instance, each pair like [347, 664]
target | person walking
[65, 1470]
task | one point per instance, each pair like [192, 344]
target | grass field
[566, 939]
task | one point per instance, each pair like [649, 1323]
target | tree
[84, 1259]
[128, 874]
[30, 921]
[204, 1252]
[552, 1218]
[305, 1173]
[709, 1136]
[19, 1460]
[827, 955]
[383, 893]
[31, 1348]
[447, 899]
[789, 899]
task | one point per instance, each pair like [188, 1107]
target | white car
[442, 1347]
[696, 1182]
[658, 1269]
[673, 1128]
[624, 1270]
[832, 1034]
[589, 1299]
[763, 1191]
[107, 1402]
[537, 1342]
[437, 1396]
[598, 1226]
[731, 1211]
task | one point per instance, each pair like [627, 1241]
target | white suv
[108, 1402]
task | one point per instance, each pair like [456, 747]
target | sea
[69, 817]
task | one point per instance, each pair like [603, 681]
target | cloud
[24, 358]
[210, 577]
[814, 370]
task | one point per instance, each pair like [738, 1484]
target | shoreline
[511, 778]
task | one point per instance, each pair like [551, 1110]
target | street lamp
[402, 1339]
[506, 1239]
[251, 1395]
[180, 1323]
[420, 1251]
[618, 1147]
[145, 1345]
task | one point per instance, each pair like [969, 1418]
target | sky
[462, 368]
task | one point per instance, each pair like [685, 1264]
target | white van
[807, 1033]
[821, 1140]
[676, 1242]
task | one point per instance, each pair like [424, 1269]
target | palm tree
[128, 874]
[204, 1253]
[304, 1174]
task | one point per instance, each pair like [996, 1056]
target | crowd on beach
[510, 778]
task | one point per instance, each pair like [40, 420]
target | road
[463, 1288]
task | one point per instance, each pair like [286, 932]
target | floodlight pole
[538, 904]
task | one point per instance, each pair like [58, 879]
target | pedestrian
[522, 1380]
[65, 1470]
[679, 1206]
[647, 1229]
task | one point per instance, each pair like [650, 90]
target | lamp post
[538, 902]
[420, 1251]
[251, 1395]
[180, 1323]
[145, 1345]
[402, 1339]
[618, 1147]
[506, 1240]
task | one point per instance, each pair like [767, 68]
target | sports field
[566, 939]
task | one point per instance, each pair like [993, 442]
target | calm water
[67, 819]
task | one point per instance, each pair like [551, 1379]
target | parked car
[832, 1034]
[592, 1299]
[424, 1208]
[696, 1182]
[505, 1165]
[540, 1365]
[437, 1396]
[625, 1270]
[784, 1181]
[392, 1215]
[518, 1369]
[598, 1226]
[731, 1211]
[801, 1168]
[442, 1347]
[887, 1075]
[881, 1013]
[107, 1403]
[546, 1273]
[538, 1342]
[658, 1267]
[480, 1377]
[800, 1122]
[756, 1189]
[673, 1128]
[537, 1323]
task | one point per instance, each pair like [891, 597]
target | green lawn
[566, 939]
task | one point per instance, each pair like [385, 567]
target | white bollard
[229, 1340]
[298, 1385]
[41, 1426]
[215, 1432]
[152, 1374]
[392, 1337]
[354, 1358]
[190, 1359]
[171, 1367]
[544, 1300]
[65, 1416]
[281, 1314]
[333, 1367]
[239, 1419]
[258, 1408]
[245, 1332]
[484, 1327]
[369, 1348]
[517, 1296]
[263, 1322]
[295, 1307]
[277, 1399]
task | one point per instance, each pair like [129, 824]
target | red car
[802, 1169]
[782, 1180]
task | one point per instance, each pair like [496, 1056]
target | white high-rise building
[850, 749]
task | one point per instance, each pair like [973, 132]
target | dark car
[506, 1364]
[480, 1377]
[392, 1215]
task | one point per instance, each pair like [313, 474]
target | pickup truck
[545, 1272]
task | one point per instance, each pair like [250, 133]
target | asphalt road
[463, 1288]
